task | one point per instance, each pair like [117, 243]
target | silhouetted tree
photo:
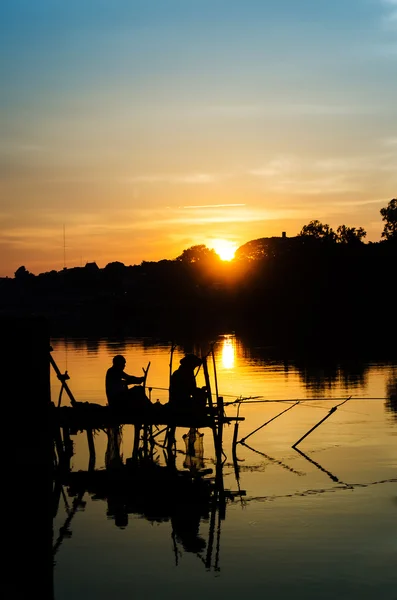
[319, 231]
[350, 235]
[196, 254]
[22, 274]
[389, 215]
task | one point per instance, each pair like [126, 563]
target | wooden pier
[149, 423]
[149, 483]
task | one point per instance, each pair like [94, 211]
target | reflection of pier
[149, 484]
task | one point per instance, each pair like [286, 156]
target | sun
[224, 249]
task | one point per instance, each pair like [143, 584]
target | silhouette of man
[118, 393]
[185, 396]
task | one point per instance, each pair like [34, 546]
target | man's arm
[131, 378]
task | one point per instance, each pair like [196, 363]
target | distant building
[91, 266]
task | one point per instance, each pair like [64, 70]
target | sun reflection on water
[228, 352]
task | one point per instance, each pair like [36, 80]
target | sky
[131, 130]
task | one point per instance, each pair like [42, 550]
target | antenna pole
[64, 248]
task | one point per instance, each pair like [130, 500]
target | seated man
[185, 396]
[118, 393]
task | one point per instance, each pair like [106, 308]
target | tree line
[319, 287]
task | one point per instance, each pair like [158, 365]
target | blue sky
[147, 127]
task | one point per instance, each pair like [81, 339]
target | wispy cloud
[213, 205]
[390, 142]
[390, 14]
[189, 178]
[332, 175]
[281, 109]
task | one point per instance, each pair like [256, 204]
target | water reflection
[185, 493]
[318, 375]
[150, 485]
[228, 352]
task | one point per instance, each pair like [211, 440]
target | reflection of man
[185, 526]
[194, 459]
[117, 391]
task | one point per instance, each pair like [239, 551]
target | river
[317, 521]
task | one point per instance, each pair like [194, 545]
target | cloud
[189, 178]
[390, 141]
[213, 205]
[390, 14]
[282, 109]
[328, 175]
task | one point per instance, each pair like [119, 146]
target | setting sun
[225, 250]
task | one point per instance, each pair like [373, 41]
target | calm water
[319, 523]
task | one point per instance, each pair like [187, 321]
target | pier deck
[85, 415]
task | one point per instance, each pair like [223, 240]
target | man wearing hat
[185, 396]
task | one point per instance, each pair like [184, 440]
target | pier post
[27, 429]
[91, 450]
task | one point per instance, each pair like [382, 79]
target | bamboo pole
[148, 426]
[215, 376]
[145, 374]
[170, 372]
[170, 433]
[218, 448]
[63, 378]
[267, 422]
[333, 409]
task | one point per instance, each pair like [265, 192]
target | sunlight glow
[225, 249]
[228, 351]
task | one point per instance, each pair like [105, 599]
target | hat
[191, 360]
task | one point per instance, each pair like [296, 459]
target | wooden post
[29, 433]
[135, 448]
[218, 449]
[215, 376]
[91, 448]
[220, 421]
[170, 373]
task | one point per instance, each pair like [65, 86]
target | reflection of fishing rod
[316, 464]
[64, 530]
[271, 459]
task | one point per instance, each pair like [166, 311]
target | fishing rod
[252, 400]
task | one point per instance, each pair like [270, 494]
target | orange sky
[142, 131]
